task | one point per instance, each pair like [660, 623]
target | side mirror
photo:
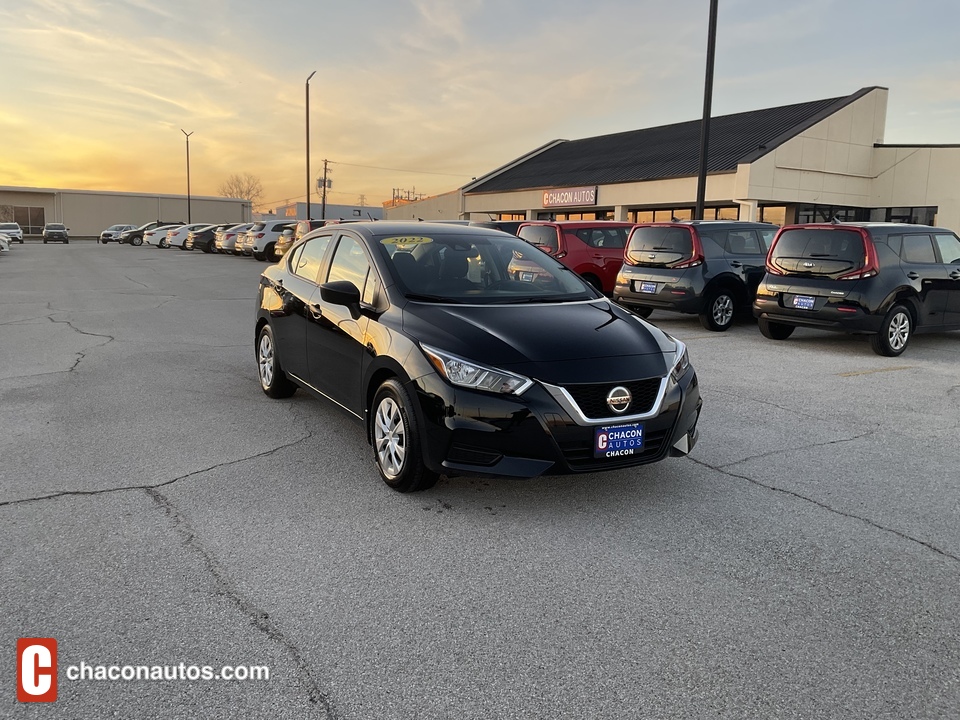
[342, 292]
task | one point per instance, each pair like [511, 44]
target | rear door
[335, 339]
[291, 320]
[948, 246]
[746, 254]
[928, 276]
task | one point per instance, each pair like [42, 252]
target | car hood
[573, 342]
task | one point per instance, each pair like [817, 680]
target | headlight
[681, 362]
[478, 377]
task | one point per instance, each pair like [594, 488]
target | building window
[776, 214]
[598, 215]
[915, 215]
[827, 213]
[731, 212]
[30, 219]
[511, 216]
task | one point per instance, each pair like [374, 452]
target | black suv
[706, 267]
[886, 280]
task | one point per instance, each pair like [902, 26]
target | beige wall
[89, 213]
[439, 207]
[831, 163]
[910, 176]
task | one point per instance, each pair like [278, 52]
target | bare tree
[245, 187]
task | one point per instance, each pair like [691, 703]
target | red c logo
[36, 670]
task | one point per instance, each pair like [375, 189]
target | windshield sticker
[406, 241]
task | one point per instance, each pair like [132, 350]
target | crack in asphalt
[829, 508]
[258, 618]
[138, 282]
[770, 404]
[166, 483]
[780, 451]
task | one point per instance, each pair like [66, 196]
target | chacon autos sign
[566, 197]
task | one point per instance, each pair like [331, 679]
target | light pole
[307, 90]
[188, 134]
[707, 101]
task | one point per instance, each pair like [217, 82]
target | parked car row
[51, 232]
[885, 280]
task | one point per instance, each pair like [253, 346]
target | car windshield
[478, 269]
[9, 226]
[54, 226]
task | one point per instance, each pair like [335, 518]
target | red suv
[591, 248]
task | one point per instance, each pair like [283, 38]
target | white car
[260, 240]
[4, 243]
[177, 236]
[113, 232]
[13, 231]
[158, 236]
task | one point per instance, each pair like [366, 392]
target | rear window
[543, 236]
[659, 245]
[818, 251]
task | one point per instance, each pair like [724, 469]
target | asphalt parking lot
[156, 508]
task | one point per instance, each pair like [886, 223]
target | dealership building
[809, 162]
[88, 212]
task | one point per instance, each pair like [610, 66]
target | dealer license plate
[645, 287]
[803, 302]
[618, 440]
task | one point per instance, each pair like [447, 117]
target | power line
[418, 172]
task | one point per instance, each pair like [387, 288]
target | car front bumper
[469, 432]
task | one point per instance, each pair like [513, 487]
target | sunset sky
[424, 94]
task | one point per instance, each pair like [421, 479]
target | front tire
[718, 309]
[775, 330]
[895, 332]
[273, 380]
[397, 449]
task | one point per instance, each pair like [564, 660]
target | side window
[949, 248]
[306, 262]
[350, 263]
[895, 242]
[743, 242]
[918, 249]
[766, 239]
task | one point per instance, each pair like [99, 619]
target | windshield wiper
[431, 298]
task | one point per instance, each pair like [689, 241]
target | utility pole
[188, 134]
[323, 206]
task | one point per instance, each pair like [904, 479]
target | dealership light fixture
[307, 91]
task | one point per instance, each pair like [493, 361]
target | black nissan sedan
[460, 360]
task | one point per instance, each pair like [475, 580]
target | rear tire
[211, 247]
[775, 330]
[718, 309]
[397, 449]
[273, 380]
[138, 241]
[895, 332]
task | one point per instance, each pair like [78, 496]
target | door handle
[955, 275]
[316, 312]
[912, 275]
[736, 264]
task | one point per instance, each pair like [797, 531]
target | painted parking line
[876, 370]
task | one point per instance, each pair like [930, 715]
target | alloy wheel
[265, 357]
[723, 310]
[899, 331]
[390, 438]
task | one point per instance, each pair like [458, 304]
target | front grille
[592, 399]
